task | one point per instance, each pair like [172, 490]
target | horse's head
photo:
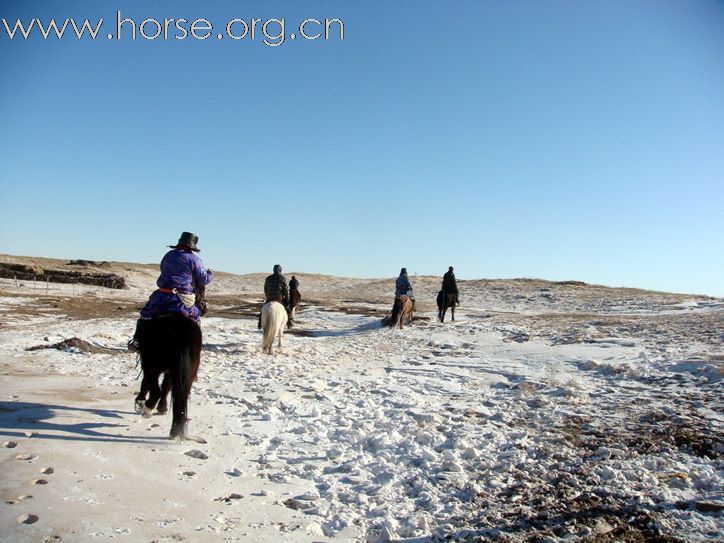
[200, 302]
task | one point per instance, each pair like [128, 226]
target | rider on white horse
[276, 289]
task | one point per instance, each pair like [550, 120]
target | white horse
[273, 320]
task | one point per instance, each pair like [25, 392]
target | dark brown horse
[294, 298]
[170, 344]
[162, 407]
[446, 300]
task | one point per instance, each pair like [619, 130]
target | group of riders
[183, 280]
[403, 287]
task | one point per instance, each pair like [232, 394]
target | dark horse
[146, 384]
[445, 300]
[294, 299]
[162, 407]
[170, 345]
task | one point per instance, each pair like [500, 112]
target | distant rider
[276, 289]
[182, 272]
[404, 287]
[449, 285]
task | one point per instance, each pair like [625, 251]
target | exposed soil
[74, 273]
[74, 344]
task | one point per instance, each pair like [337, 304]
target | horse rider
[404, 287]
[449, 285]
[276, 289]
[293, 286]
[182, 273]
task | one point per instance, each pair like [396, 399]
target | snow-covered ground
[545, 412]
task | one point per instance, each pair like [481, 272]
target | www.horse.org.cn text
[270, 32]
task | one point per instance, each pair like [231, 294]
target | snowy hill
[546, 412]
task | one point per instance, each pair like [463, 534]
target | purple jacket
[179, 270]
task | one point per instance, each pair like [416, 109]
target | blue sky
[561, 140]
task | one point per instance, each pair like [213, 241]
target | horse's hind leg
[162, 408]
[154, 393]
[452, 312]
[141, 397]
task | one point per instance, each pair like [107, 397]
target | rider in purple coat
[181, 270]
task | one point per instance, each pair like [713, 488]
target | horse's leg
[154, 393]
[165, 389]
[281, 333]
[452, 310]
[141, 397]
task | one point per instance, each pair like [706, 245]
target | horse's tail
[440, 296]
[396, 309]
[182, 374]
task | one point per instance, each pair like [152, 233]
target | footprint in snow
[195, 453]
[26, 457]
[229, 498]
[19, 499]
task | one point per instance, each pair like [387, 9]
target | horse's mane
[200, 292]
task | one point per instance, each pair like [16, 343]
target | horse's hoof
[147, 413]
[178, 433]
[162, 411]
[138, 406]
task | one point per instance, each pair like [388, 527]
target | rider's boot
[134, 344]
